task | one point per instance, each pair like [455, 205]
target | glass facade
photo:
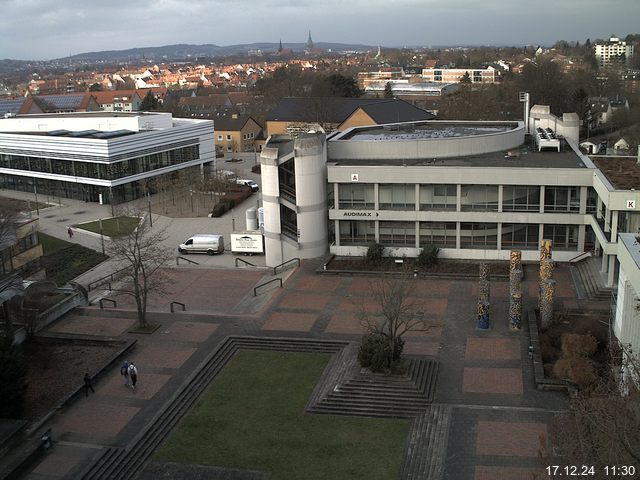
[520, 198]
[564, 237]
[357, 232]
[356, 196]
[439, 234]
[397, 196]
[479, 235]
[398, 234]
[101, 169]
[562, 199]
[438, 197]
[523, 236]
[479, 198]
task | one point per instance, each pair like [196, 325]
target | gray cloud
[44, 29]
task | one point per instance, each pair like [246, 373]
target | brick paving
[497, 418]
[510, 438]
[493, 348]
[290, 322]
[506, 381]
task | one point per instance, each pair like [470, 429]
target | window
[397, 196]
[219, 138]
[438, 197]
[228, 137]
[439, 234]
[356, 196]
[520, 235]
[354, 232]
[479, 198]
[398, 234]
[479, 235]
[562, 199]
[288, 222]
[520, 198]
[564, 237]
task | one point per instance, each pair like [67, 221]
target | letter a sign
[354, 177]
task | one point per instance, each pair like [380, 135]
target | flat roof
[420, 131]
[622, 172]
[524, 156]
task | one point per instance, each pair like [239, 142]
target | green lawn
[112, 227]
[64, 261]
[252, 417]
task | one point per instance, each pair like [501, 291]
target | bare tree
[8, 282]
[602, 426]
[142, 253]
[399, 313]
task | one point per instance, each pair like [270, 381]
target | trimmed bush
[577, 369]
[428, 256]
[576, 345]
[375, 352]
[375, 253]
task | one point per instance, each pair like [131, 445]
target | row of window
[401, 196]
[444, 234]
[104, 171]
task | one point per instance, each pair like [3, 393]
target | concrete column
[612, 271]
[581, 237]
[336, 196]
[417, 197]
[499, 239]
[614, 226]
[598, 208]
[541, 201]
[375, 197]
[607, 220]
[377, 230]
[458, 234]
[336, 229]
[583, 200]
[547, 291]
[605, 260]
[458, 198]
[500, 197]
[417, 227]
[540, 233]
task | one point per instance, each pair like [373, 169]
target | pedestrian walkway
[498, 420]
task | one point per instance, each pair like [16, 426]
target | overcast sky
[47, 29]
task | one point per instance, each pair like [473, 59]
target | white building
[610, 51]
[99, 156]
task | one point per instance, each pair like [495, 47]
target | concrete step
[427, 445]
[593, 280]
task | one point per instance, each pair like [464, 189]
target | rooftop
[418, 131]
[622, 172]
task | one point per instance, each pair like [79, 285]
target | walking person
[87, 384]
[133, 373]
[124, 371]
[70, 233]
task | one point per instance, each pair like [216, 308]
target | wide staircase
[593, 281]
[116, 463]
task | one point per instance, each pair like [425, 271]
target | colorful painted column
[483, 316]
[483, 298]
[547, 291]
[515, 290]
[515, 311]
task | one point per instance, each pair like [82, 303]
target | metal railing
[106, 279]
[102, 300]
[243, 261]
[283, 264]
[177, 303]
[579, 257]
[255, 290]
[182, 258]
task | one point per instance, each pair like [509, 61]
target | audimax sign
[359, 214]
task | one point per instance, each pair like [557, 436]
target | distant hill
[183, 51]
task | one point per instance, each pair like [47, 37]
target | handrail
[182, 258]
[243, 261]
[102, 280]
[575, 259]
[177, 303]
[285, 263]
[115, 305]
[255, 290]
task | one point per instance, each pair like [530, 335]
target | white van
[203, 243]
[248, 183]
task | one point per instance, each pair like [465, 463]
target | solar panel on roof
[58, 133]
[84, 133]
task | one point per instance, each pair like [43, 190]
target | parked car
[203, 243]
[248, 183]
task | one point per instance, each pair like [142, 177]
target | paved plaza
[499, 421]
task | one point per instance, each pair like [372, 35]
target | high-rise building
[607, 53]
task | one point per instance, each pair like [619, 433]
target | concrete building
[612, 51]
[455, 75]
[106, 157]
